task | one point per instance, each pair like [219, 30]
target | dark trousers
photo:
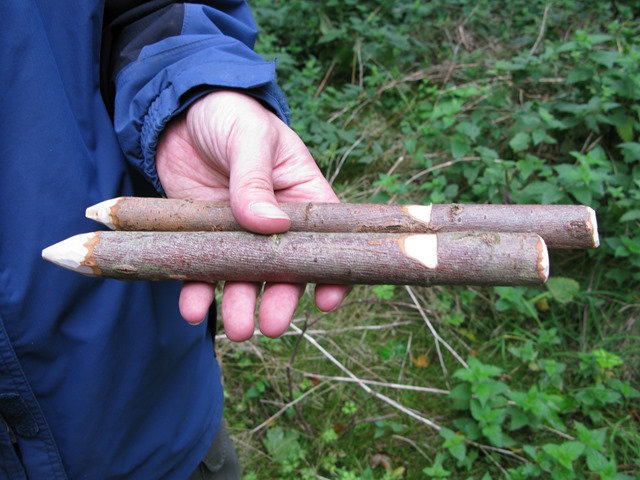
[220, 462]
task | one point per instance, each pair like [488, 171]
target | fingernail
[267, 210]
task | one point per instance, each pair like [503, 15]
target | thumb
[252, 196]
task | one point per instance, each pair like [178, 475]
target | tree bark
[561, 226]
[469, 258]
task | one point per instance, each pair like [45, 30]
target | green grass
[479, 102]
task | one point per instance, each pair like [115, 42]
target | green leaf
[437, 470]
[486, 389]
[540, 135]
[461, 395]
[625, 129]
[526, 352]
[519, 419]
[598, 463]
[563, 289]
[580, 74]
[496, 436]
[630, 216]
[624, 388]
[541, 192]
[605, 359]
[283, 445]
[583, 195]
[597, 396]
[596, 38]
[477, 371]
[455, 443]
[469, 130]
[566, 453]
[455, 319]
[520, 142]
[485, 414]
[594, 439]
[459, 146]
[384, 292]
[392, 349]
[487, 154]
[568, 47]
[469, 427]
[631, 151]
[605, 57]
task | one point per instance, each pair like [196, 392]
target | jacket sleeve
[160, 57]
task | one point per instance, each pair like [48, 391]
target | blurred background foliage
[460, 101]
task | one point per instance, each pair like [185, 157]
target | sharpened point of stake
[71, 253]
[101, 212]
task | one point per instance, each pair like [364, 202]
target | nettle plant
[498, 419]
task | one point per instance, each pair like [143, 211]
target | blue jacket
[101, 379]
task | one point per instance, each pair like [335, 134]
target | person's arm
[215, 146]
[158, 57]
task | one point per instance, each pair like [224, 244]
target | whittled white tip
[594, 223]
[421, 213]
[424, 248]
[70, 253]
[101, 212]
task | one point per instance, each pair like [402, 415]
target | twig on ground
[344, 157]
[364, 386]
[543, 28]
[286, 407]
[357, 362]
[438, 167]
[325, 79]
[397, 386]
[289, 368]
[433, 331]
[483, 448]
[559, 433]
[435, 334]
[413, 444]
[404, 358]
[257, 333]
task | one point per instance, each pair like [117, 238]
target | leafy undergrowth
[469, 102]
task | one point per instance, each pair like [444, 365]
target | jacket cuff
[144, 106]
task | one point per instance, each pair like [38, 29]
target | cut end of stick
[101, 212]
[594, 223]
[422, 213]
[423, 248]
[543, 261]
[71, 253]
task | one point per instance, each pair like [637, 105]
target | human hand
[228, 146]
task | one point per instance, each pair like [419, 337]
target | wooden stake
[469, 258]
[561, 226]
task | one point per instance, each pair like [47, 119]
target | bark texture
[469, 258]
[561, 226]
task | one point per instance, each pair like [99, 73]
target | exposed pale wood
[470, 258]
[561, 226]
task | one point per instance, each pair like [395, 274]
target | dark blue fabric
[170, 74]
[100, 379]
[17, 415]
